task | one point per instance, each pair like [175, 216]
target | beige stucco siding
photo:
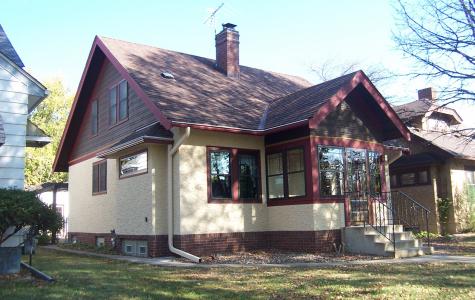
[191, 199]
[319, 216]
[90, 213]
[460, 214]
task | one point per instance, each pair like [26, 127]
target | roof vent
[167, 75]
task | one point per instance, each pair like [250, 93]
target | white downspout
[171, 152]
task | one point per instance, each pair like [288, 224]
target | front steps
[366, 240]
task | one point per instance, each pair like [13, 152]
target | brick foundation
[207, 244]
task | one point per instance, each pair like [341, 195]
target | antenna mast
[212, 17]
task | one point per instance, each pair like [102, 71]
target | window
[374, 164]
[118, 103]
[94, 118]
[99, 177]
[100, 241]
[410, 178]
[470, 175]
[331, 171]
[134, 164]
[233, 175]
[356, 170]
[220, 167]
[286, 174]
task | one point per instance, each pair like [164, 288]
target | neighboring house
[20, 93]
[215, 156]
[56, 195]
[441, 163]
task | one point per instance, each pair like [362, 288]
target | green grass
[80, 277]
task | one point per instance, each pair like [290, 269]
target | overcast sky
[53, 38]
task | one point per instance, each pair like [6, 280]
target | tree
[439, 35]
[330, 69]
[19, 209]
[51, 116]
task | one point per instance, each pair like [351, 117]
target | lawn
[458, 244]
[80, 277]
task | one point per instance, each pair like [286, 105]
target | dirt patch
[457, 244]
[279, 257]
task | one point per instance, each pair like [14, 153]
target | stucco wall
[191, 199]
[319, 216]
[460, 219]
[90, 213]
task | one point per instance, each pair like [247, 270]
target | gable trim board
[99, 52]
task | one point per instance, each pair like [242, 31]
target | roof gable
[6, 48]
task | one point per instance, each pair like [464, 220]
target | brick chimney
[227, 51]
[427, 94]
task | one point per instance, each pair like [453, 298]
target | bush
[19, 209]
[422, 235]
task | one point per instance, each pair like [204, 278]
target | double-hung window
[99, 177]
[286, 174]
[233, 175]
[118, 103]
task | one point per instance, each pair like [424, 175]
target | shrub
[422, 235]
[19, 209]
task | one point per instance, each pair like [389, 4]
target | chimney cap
[229, 26]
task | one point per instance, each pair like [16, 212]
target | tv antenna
[212, 17]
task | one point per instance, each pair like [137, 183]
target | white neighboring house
[20, 93]
[46, 194]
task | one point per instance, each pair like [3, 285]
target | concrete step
[369, 229]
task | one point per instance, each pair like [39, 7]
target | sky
[53, 38]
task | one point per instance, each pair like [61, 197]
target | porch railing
[386, 210]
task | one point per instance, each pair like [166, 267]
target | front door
[357, 186]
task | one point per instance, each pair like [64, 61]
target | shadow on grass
[81, 277]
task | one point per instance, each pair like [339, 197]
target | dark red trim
[234, 168]
[347, 143]
[99, 44]
[241, 130]
[302, 143]
[343, 92]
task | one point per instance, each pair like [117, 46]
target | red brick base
[207, 244]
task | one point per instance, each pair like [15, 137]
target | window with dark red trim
[133, 164]
[286, 176]
[94, 118]
[410, 177]
[118, 103]
[233, 175]
[99, 177]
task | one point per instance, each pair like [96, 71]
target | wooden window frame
[116, 87]
[96, 119]
[285, 173]
[96, 165]
[328, 197]
[137, 173]
[234, 174]
[416, 171]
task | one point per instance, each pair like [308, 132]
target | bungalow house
[173, 153]
[20, 93]
[441, 164]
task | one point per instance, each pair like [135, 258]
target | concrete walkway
[172, 262]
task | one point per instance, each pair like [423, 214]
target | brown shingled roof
[199, 94]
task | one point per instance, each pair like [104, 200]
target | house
[56, 195]
[175, 153]
[441, 163]
[20, 93]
